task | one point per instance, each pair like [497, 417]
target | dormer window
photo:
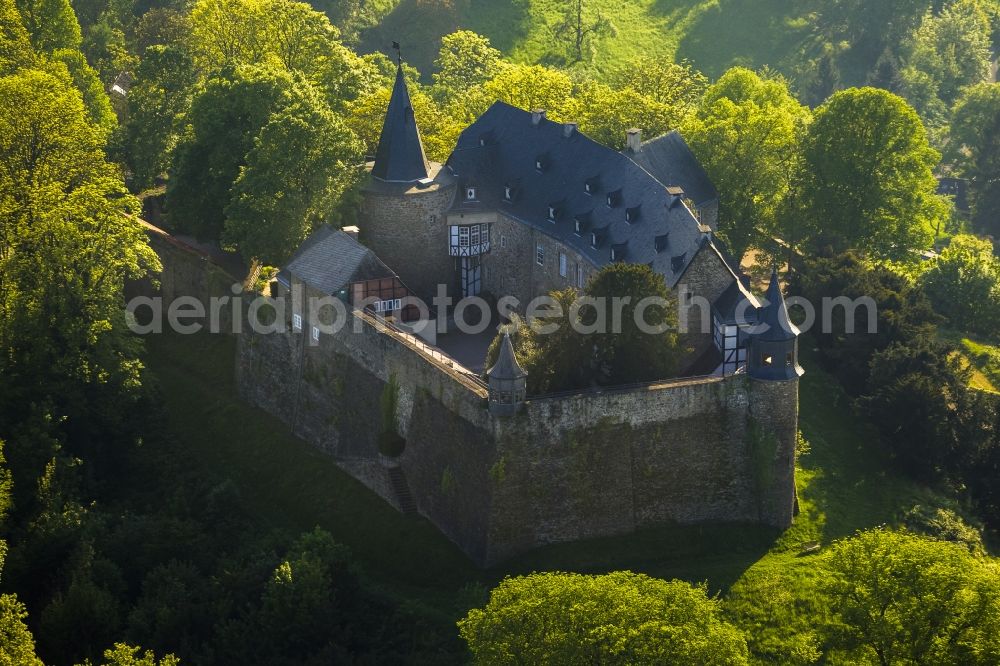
[587, 187]
[614, 253]
[470, 193]
[613, 198]
[631, 214]
[661, 243]
[619, 251]
[541, 162]
[553, 213]
[508, 193]
[594, 239]
[577, 227]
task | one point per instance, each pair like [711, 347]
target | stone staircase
[401, 489]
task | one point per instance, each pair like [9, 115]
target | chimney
[569, 129]
[537, 116]
[352, 231]
[633, 140]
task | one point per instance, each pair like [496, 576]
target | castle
[523, 206]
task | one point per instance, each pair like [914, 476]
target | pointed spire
[400, 155]
[775, 314]
[506, 366]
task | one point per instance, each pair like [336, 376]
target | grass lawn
[982, 357]
[843, 486]
[714, 34]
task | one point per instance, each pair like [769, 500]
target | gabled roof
[400, 155]
[737, 304]
[502, 147]
[330, 259]
[669, 159]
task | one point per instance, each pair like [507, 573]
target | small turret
[400, 156]
[774, 345]
[508, 381]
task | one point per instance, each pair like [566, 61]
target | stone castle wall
[563, 468]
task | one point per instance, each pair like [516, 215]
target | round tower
[774, 370]
[404, 201]
[508, 382]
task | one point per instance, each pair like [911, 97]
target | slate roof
[504, 147]
[330, 259]
[400, 155]
[775, 315]
[506, 366]
[669, 159]
[728, 304]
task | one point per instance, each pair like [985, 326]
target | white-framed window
[540, 255]
[508, 193]
[593, 239]
[553, 211]
[587, 188]
[474, 234]
[470, 193]
[539, 164]
[297, 322]
[577, 227]
[463, 236]
[628, 216]
[315, 333]
[562, 265]
[579, 276]
[388, 305]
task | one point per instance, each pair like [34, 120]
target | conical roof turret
[775, 315]
[506, 366]
[400, 155]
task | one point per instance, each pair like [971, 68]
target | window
[463, 236]
[539, 164]
[388, 305]
[297, 322]
[503, 241]
[767, 360]
[553, 211]
[576, 227]
[470, 193]
[315, 333]
[540, 255]
[614, 254]
[508, 193]
[474, 234]
[587, 187]
[579, 276]
[593, 240]
[562, 265]
[789, 359]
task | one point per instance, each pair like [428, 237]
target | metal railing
[433, 354]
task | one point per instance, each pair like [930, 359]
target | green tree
[627, 353]
[465, 60]
[302, 161]
[225, 117]
[159, 98]
[964, 284]
[886, 74]
[676, 85]
[972, 114]
[866, 177]
[67, 246]
[17, 645]
[826, 80]
[15, 46]
[618, 618]
[903, 599]
[952, 48]
[51, 24]
[747, 135]
[127, 655]
[526, 87]
[99, 110]
[918, 396]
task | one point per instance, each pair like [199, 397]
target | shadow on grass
[749, 33]
[419, 25]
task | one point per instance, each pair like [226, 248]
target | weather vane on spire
[399, 57]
